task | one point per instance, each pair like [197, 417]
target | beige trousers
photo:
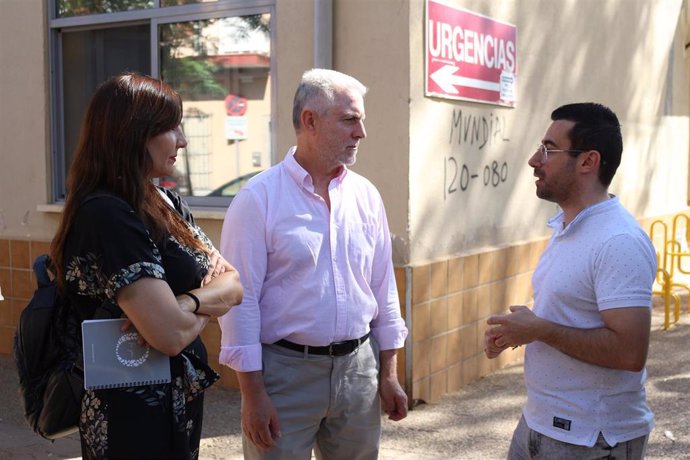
[330, 405]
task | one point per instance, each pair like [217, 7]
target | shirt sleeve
[387, 327]
[625, 272]
[243, 244]
[109, 248]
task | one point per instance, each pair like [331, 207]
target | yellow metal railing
[668, 295]
[670, 262]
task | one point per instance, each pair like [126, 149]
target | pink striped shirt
[310, 276]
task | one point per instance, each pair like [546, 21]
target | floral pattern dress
[109, 247]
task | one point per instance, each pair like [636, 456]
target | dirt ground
[473, 423]
[478, 421]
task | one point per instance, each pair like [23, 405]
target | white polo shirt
[601, 260]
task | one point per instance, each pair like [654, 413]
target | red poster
[469, 56]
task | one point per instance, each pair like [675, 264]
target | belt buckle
[330, 350]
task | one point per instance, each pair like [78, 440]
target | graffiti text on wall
[480, 130]
[477, 131]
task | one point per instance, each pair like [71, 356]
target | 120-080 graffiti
[458, 177]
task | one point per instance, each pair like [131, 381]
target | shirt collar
[556, 222]
[301, 176]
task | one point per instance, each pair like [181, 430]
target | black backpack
[47, 352]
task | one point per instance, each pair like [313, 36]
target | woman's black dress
[108, 248]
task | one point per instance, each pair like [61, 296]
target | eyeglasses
[545, 152]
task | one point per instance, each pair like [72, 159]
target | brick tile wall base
[450, 302]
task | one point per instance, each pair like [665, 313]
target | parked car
[232, 187]
[177, 182]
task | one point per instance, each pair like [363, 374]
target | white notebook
[114, 359]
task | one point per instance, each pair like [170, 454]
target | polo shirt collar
[556, 222]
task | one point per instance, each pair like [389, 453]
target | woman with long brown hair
[132, 247]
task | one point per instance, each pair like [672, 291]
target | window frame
[153, 17]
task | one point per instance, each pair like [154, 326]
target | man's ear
[590, 160]
[308, 119]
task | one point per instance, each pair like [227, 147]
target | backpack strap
[43, 275]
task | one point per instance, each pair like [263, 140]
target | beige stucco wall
[370, 42]
[615, 52]
[24, 130]
[294, 55]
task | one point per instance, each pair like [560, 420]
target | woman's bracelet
[195, 299]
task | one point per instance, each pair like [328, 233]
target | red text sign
[469, 56]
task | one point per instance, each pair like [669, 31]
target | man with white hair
[314, 340]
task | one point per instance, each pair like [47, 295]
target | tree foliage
[183, 48]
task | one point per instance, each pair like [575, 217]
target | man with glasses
[587, 335]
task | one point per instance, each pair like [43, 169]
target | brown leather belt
[334, 349]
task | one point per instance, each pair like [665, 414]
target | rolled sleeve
[241, 358]
[392, 336]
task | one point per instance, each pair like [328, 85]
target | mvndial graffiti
[475, 133]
